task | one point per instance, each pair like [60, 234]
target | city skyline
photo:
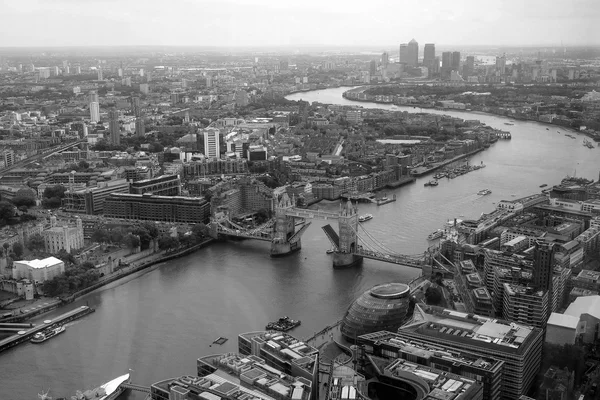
[265, 23]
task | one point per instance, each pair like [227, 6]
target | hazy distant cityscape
[414, 221]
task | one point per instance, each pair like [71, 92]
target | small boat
[330, 251]
[436, 235]
[46, 334]
[220, 340]
[364, 218]
[283, 324]
[549, 129]
[484, 192]
[431, 183]
[543, 186]
[508, 123]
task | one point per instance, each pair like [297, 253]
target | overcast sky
[298, 22]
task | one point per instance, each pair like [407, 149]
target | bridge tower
[285, 227]
[348, 232]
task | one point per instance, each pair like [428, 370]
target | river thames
[158, 322]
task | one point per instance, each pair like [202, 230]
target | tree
[52, 196]
[7, 210]
[131, 241]
[65, 256]
[17, 248]
[6, 246]
[200, 230]
[151, 228]
[21, 201]
[100, 236]
[36, 242]
[167, 242]
[83, 164]
[87, 265]
[434, 296]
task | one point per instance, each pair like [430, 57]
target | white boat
[46, 334]
[436, 235]
[330, 251]
[365, 217]
[484, 192]
[109, 391]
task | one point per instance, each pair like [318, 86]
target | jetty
[25, 335]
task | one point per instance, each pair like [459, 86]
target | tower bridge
[351, 242]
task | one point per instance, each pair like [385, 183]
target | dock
[25, 335]
[385, 200]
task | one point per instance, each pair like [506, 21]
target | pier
[6, 327]
[25, 335]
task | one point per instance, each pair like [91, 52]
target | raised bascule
[351, 242]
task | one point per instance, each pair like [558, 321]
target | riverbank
[476, 110]
[140, 265]
[420, 171]
[143, 264]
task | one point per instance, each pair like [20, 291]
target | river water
[159, 321]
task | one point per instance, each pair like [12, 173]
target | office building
[64, 237]
[150, 207]
[164, 185]
[209, 387]
[9, 157]
[136, 109]
[100, 76]
[501, 64]
[215, 166]
[144, 88]
[447, 59]
[140, 127]
[94, 97]
[390, 346]
[526, 305]
[456, 60]
[94, 111]
[114, 127]
[422, 382]
[385, 60]
[381, 308]
[413, 53]
[373, 67]
[283, 352]
[38, 270]
[518, 346]
[91, 200]
[212, 138]
[543, 264]
[403, 53]
[429, 56]
[501, 268]
[175, 98]
[475, 295]
[469, 67]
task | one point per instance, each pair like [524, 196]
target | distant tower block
[284, 229]
[348, 231]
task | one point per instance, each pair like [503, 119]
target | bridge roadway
[311, 214]
[389, 258]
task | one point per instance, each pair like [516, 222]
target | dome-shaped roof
[380, 308]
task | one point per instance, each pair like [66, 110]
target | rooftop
[427, 351]
[210, 386]
[38, 264]
[563, 320]
[390, 291]
[469, 329]
[585, 305]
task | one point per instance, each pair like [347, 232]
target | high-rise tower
[94, 111]
[403, 53]
[115, 129]
[429, 55]
[413, 53]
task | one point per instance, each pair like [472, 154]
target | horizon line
[228, 46]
